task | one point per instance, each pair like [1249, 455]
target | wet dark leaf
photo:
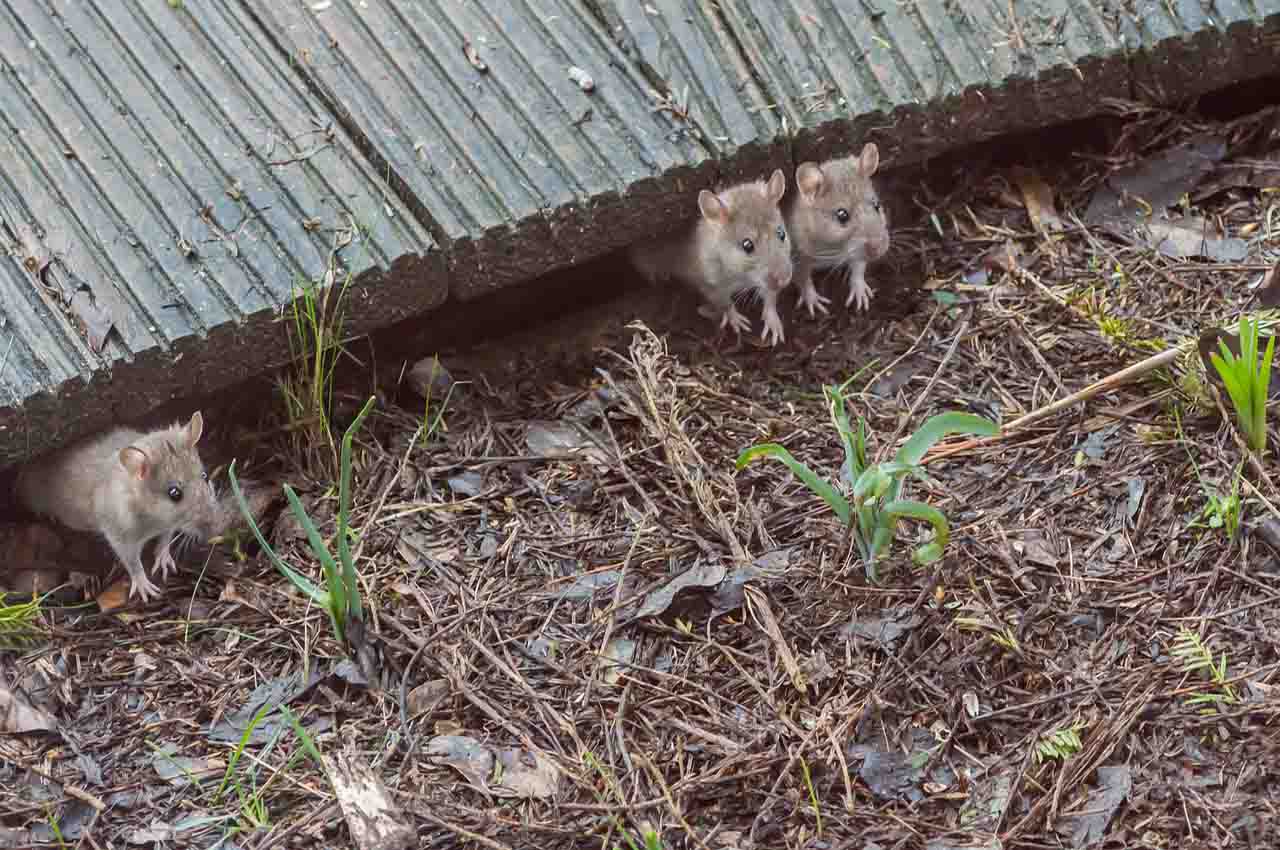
[891, 776]
[1090, 827]
[553, 439]
[730, 594]
[19, 715]
[1192, 236]
[1152, 185]
[884, 631]
[467, 484]
[1267, 292]
[701, 575]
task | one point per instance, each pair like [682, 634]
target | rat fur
[738, 245]
[835, 219]
[130, 487]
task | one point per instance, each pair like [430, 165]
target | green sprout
[875, 505]
[342, 598]
[1248, 381]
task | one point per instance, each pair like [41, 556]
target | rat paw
[733, 318]
[141, 587]
[773, 327]
[810, 298]
[859, 291]
[164, 561]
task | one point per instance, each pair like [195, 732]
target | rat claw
[739, 322]
[773, 328]
[859, 291]
[164, 561]
[142, 588]
[810, 298]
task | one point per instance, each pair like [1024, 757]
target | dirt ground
[584, 626]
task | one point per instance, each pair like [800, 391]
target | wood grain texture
[166, 180]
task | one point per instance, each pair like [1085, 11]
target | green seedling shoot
[342, 596]
[1248, 380]
[875, 504]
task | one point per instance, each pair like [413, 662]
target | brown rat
[130, 487]
[738, 245]
[835, 219]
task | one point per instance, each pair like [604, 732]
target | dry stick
[1110, 382]
[671, 801]
[946, 358]
[904, 355]
[463, 833]
[782, 774]
[612, 618]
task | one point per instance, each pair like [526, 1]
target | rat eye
[875, 205]
[204, 476]
[782, 234]
[842, 215]
[175, 493]
[748, 246]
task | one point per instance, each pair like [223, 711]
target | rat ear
[135, 460]
[713, 209]
[809, 180]
[777, 185]
[194, 429]
[870, 159]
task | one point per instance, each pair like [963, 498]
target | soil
[570, 579]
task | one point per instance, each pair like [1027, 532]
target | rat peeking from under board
[836, 220]
[738, 245]
[130, 487]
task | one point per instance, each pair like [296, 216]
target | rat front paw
[810, 298]
[773, 327]
[141, 587]
[733, 318]
[164, 562]
[860, 292]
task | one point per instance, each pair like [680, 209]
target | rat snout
[779, 276]
[877, 247]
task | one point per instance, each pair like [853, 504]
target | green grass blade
[351, 597]
[943, 425]
[828, 494]
[301, 582]
[1262, 391]
[848, 438]
[330, 566]
[303, 737]
[924, 513]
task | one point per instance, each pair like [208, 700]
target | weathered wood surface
[172, 171]
[515, 167]
[166, 181]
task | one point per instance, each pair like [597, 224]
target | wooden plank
[1186, 49]
[689, 57]
[514, 167]
[164, 172]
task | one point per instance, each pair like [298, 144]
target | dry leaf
[18, 715]
[374, 820]
[1038, 198]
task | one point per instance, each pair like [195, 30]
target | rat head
[837, 215]
[747, 236]
[168, 484]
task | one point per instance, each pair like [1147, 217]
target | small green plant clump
[1197, 657]
[1248, 380]
[19, 623]
[342, 596]
[875, 504]
[1059, 744]
[315, 328]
